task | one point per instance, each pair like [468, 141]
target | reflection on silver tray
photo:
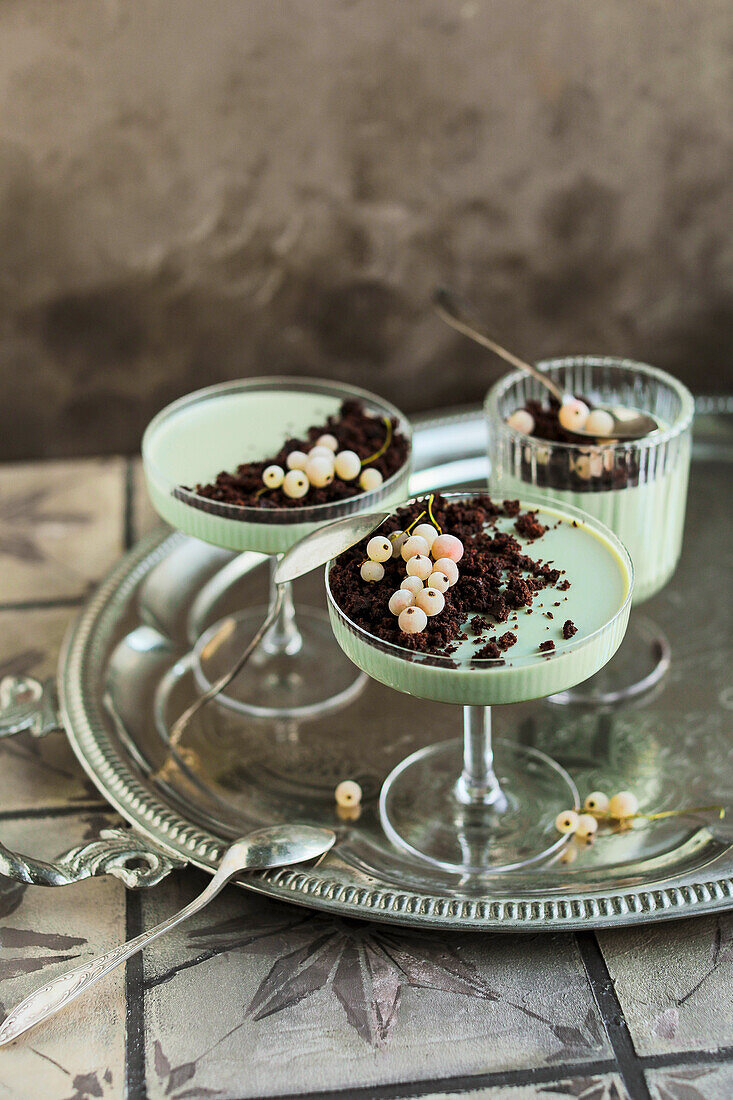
[125, 673]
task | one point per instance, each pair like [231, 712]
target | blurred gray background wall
[194, 190]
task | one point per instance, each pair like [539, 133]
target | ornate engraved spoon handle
[47, 1000]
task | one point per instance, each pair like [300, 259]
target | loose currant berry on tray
[400, 600]
[295, 484]
[379, 548]
[567, 821]
[430, 600]
[412, 620]
[521, 421]
[273, 476]
[412, 584]
[622, 805]
[573, 415]
[370, 479]
[348, 793]
[347, 465]
[296, 460]
[587, 825]
[372, 571]
[419, 565]
[447, 546]
[596, 802]
[448, 567]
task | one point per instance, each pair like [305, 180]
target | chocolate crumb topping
[354, 428]
[496, 577]
[545, 647]
[528, 525]
[569, 628]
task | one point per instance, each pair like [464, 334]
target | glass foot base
[642, 660]
[314, 679]
[422, 812]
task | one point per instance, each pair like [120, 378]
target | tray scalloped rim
[87, 733]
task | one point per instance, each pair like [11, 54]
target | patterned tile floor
[257, 999]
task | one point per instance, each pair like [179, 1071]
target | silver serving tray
[125, 673]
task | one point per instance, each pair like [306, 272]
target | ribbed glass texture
[638, 489]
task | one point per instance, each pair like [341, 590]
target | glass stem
[283, 637]
[478, 785]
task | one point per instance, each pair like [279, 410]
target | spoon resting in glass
[624, 424]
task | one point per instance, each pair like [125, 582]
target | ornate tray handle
[120, 852]
[28, 704]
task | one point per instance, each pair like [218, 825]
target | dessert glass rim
[294, 383]
[499, 663]
[657, 439]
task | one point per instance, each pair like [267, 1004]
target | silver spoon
[313, 550]
[277, 846]
[628, 424]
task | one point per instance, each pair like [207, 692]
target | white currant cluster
[597, 808]
[573, 415]
[431, 567]
[319, 467]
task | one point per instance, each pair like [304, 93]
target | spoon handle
[61, 991]
[446, 305]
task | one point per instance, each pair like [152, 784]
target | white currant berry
[569, 854]
[296, 460]
[273, 476]
[413, 545]
[521, 421]
[438, 580]
[372, 571]
[329, 441]
[319, 471]
[412, 620]
[399, 600]
[447, 546]
[397, 538]
[447, 566]
[419, 565]
[597, 802]
[587, 825]
[430, 600]
[412, 584]
[588, 464]
[426, 531]
[585, 841]
[321, 452]
[379, 548]
[567, 821]
[622, 805]
[599, 422]
[348, 793]
[295, 484]
[347, 465]
[573, 415]
[370, 479]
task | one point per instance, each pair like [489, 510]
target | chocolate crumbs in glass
[496, 577]
[354, 428]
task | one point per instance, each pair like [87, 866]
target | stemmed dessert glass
[450, 804]
[638, 489]
[297, 671]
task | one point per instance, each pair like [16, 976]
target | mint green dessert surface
[597, 602]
